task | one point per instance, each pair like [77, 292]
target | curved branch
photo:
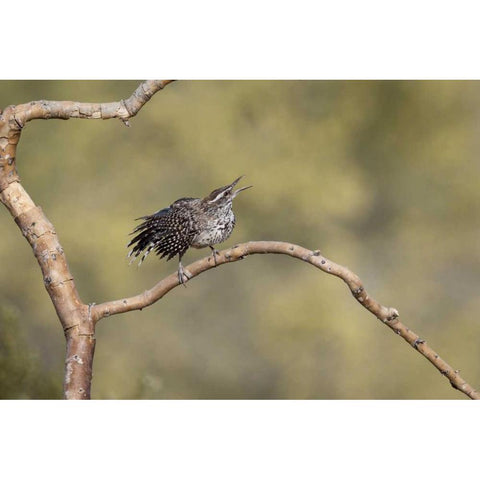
[123, 109]
[388, 315]
[73, 314]
[14, 117]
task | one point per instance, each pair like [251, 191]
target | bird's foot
[183, 275]
[215, 253]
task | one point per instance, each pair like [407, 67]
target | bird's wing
[168, 232]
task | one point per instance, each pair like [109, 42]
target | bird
[187, 222]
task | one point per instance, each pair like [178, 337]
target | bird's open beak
[236, 192]
[236, 181]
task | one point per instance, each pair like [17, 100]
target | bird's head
[225, 195]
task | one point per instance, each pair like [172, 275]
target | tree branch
[123, 109]
[74, 315]
[78, 319]
[387, 315]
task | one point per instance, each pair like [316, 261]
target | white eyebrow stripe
[217, 197]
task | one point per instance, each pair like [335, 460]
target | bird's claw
[183, 276]
[215, 253]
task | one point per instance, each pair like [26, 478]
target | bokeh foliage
[22, 374]
[381, 176]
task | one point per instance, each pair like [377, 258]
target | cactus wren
[188, 222]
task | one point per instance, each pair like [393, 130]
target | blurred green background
[381, 176]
